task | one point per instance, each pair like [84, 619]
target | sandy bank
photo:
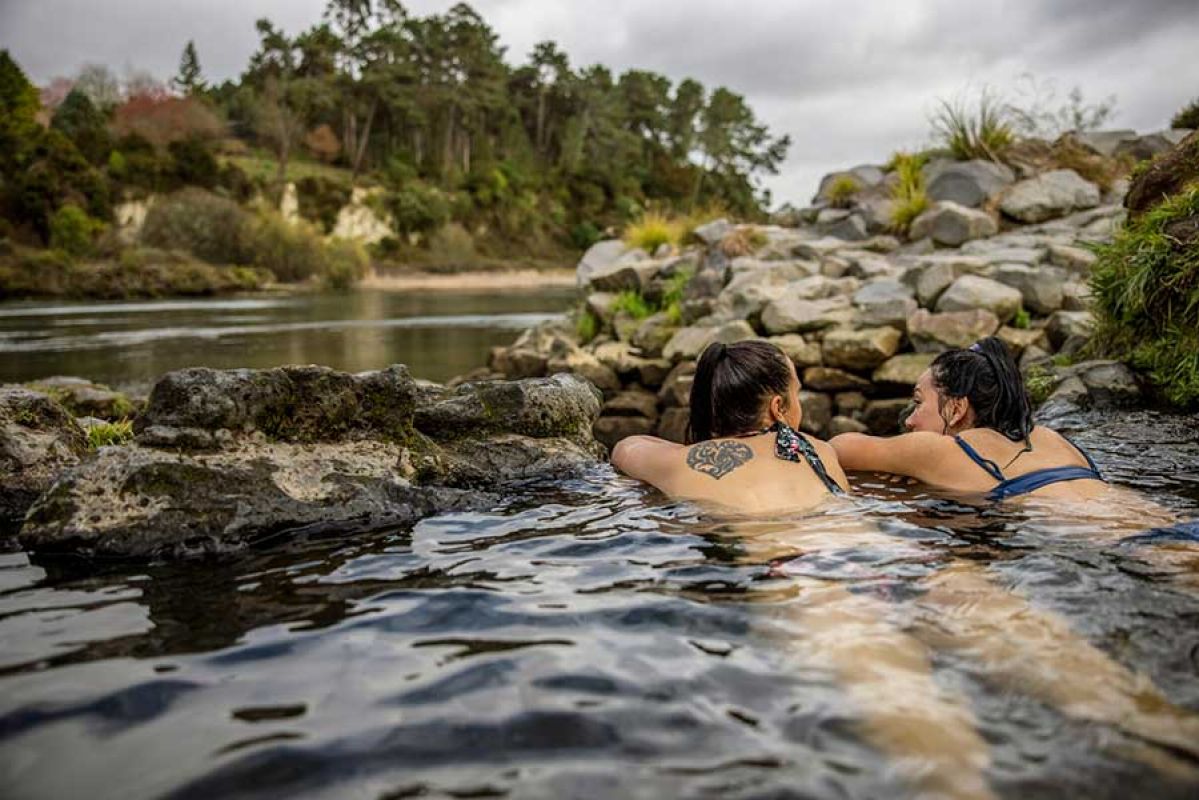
[516, 279]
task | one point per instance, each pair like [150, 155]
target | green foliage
[73, 231]
[842, 191]
[194, 164]
[346, 263]
[672, 295]
[417, 208]
[1187, 116]
[86, 127]
[981, 129]
[633, 303]
[908, 196]
[1040, 384]
[587, 325]
[452, 243]
[1145, 286]
[584, 235]
[110, 434]
[652, 231]
[321, 198]
[1022, 319]
[208, 226]
[292, 252]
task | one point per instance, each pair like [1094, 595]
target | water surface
[589, 638]
[438, 334]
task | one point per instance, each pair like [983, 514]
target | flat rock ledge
[223, 459]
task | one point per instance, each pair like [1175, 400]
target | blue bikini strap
[987, 464]
[1031, 481]
[1085, 454]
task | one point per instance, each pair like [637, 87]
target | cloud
[848, 80]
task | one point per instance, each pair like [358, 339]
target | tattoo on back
[718, 458]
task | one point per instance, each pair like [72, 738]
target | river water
[589, 638]
[438, 334]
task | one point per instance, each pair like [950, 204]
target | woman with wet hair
[744, 449]
[971, 430]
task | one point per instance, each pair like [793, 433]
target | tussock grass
[633, 303]
[587, 325]
[978, 129]
[653, 230]
[908, 196]
[110, 433]
[1145, 286]
[842, 191]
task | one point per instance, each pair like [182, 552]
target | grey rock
[713, 233]
[1145, 147]
[817, 412]
[632, 403]
[801, 352]
[676, 388]
[952, 224]
[1063, 325]
[904, 369]
[688, 343]
[585, 365]
[933, 333]
[38, 440]
[653, 333]
[85, 398]
[1048, 195]
[851, 228]
[610, 430]
[830, 379]
[885, 302]
[967, 183]
[841, 424]
[1075, 259]
[603, 257]
[860, 349]
[971, 292]
[1104, 143]
[1076, 296]
[791, 314]
[881, 417]
[672, 425]
[1040, 287]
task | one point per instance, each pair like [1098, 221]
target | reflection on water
[588, 638]
[438, 334]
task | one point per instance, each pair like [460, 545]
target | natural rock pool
[438, 334]
[588, 638]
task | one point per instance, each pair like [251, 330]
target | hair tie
[976, 347]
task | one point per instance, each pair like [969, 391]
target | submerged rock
[38, 439]
[225, 458]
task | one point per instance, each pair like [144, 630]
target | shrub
[587, 326]
[1187, 117]
[452, 243]
[842, 190]
[73, 231]
[321, 199]
[672, 296]
[292, 252]
[1146, 295]
[194, 164]
[109, 434]
[979, 130]
[1022, 320]
[908, 197]
[210, 227]
[584, 235]
[346, 263]
[417, 208]
[652, 231]
[631, 302]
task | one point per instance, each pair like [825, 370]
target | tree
[100, 86]
[189, 81]
[80, 121]
[274, 69]
[736, 147]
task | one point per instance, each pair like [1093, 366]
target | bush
[842, 190]
[194, 164]
[292, 252]
[321, 199]
[587, 326]
[1146, 294]
[346, 263]
[1187, 117]
[631, 302]
[417, 208]
[585, 234]
[908, 197]
[982, 130]
[73, 231]
[652, 231]
[452, 243]
[210, 227]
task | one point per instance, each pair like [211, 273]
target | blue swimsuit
[1030, 481]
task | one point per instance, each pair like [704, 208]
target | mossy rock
[1165, 176]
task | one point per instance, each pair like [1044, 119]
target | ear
[959, 412]
[778, 408]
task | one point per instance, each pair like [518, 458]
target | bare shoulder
[828, 457]
[920, 454]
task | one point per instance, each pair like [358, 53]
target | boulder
[966, 183]
[635, 402]
[1076, 296]
[885, 302]
[84, 398]
[1144, 148]
[610, 430]
[801, 352]
[1110, 384]
[672, 425]
[842, 424]
[849, 228]
[817, 412]
[904, 369]
[881, 417]
[627, 274]
[688, 343]
[1065, 325]
[1048, 195]
[830, 379]
[791, 314]
[1104, 142]
[952, 224]
[676, 389]
[750, 290]
[653, 333]
[864, 175]
[860, 349]
[225, 458]
[971, 292]
[1018, 340]
[1075, 259]
[585, 365]
[1040, 287]
[932, 333]
[849, 403]
[603, 257]
[38, 440]
[620, 358]
[932, 275]
[713, 233]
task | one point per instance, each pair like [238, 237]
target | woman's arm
[919, 455]
[646, 458]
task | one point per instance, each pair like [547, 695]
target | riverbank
[473, 280]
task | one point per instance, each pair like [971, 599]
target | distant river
[438, 334]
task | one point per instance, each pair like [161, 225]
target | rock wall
[861, 313]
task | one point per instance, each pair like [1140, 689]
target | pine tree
[189, 81]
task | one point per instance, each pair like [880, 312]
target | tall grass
[908, 196]
[978, 129]
[1145, 286]
[842, 190]
[653, 230]
[110, 433]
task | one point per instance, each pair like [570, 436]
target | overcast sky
[849, 80]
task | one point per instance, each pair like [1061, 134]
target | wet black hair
[732, 384]
[986, 374]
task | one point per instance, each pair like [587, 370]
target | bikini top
[789, 445]
[1030, 481]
